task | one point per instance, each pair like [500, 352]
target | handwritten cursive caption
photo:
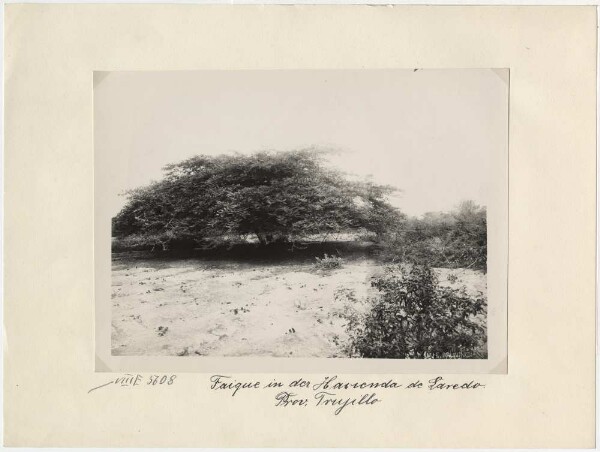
[333, 392]
[328, 392]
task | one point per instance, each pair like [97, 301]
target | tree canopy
[274, 196]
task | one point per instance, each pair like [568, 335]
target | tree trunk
[261, 238]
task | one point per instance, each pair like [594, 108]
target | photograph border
[497, 287]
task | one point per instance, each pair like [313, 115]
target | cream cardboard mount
[53, 329]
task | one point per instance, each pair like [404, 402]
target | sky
[431, 133]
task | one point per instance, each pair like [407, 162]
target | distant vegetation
[456, 239]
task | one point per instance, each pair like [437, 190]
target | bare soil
[194, 307]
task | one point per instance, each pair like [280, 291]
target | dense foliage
[454, 239]
[276, 197]
[414, 317]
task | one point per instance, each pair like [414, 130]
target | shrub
[414, 317]
[328, 262]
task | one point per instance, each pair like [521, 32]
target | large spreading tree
[276, 197]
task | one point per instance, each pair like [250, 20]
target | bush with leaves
[414, 317]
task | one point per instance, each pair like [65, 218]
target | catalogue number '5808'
[152, 380]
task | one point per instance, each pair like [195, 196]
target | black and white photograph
[319, 225]
[302, 213]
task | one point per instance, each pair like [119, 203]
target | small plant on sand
[452, 278]
[345, 294]
[328, 262]
[414, 317]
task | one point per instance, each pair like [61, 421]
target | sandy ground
[196, 307]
